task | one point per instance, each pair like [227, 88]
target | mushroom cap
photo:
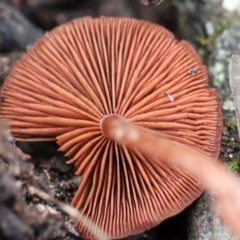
[86, 69]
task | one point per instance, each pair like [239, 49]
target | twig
[93, 228]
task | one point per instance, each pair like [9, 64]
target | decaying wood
[234, 80]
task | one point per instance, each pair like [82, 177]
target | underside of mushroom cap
[90, 68]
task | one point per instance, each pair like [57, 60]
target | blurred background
[185, 18]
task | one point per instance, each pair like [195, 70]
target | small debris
[193, 71]
[47, 174]
[170, 97]
[40, 207]
[150, 2]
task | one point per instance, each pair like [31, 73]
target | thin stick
[93, 228]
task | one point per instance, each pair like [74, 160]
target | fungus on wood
[81, 75]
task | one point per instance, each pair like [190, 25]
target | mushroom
[73, 83]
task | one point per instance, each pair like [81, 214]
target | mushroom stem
[220, 182]
[154, 145]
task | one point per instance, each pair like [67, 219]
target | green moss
[233, 125]
[234, 165]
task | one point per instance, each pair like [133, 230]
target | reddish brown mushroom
[78, 74]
